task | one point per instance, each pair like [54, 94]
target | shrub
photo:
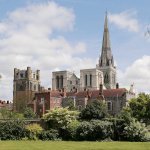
[12, 130]
[94, 130]
[136, 131]
[95, 110]
[129, 130]
[49, 135]
[69, 133]
[28, 113]
[33, 131]
[59, 118]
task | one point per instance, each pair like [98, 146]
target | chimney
[49, 89]
[117, 85]
[101, 89]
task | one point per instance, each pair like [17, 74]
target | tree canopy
[95, 110]
[60, 117]
[140, 107]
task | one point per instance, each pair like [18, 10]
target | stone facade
[65, 80]
[104, 73]
[25, 84]
[90, 79]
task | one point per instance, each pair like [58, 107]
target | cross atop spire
[106, 58]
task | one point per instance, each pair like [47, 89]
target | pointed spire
[106, 58]
[106, 21]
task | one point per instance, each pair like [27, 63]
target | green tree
[140, 107]
[60, 118]
[136, 131]
[8, 114]
[28, 113]
[95, 110]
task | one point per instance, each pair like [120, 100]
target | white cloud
[138, 73]
[27, 38]
[125, 20]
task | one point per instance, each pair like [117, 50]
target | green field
[59, 145]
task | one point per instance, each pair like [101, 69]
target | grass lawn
[59, 145]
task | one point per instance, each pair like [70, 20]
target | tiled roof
[95, 93]
[110, 92]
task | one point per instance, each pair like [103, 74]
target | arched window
[86, 80]
[107, 63]
[90, 80]
[57, 82]
[106, 78]
[61, 81]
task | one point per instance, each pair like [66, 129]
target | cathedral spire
[106, 58]
[106, 62]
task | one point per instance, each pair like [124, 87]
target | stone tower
[25, 84]
[106, 61]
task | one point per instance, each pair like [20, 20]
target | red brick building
[46, 100]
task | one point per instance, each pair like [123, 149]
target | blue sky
[74, 34]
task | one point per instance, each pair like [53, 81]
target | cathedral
[94, 83]
[104, 73]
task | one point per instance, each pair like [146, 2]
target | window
[106, 78]
[109, 105]
[21, 75]
[61, 82]
[76, 81]
[86, 80]
[57, 82]
[37, 77]
[90, 80]
[70, 82]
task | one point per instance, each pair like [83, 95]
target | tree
[28, 113]
[95, 110]
[8, 114]
[136, 131]
[60, 118]
[140, 107]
